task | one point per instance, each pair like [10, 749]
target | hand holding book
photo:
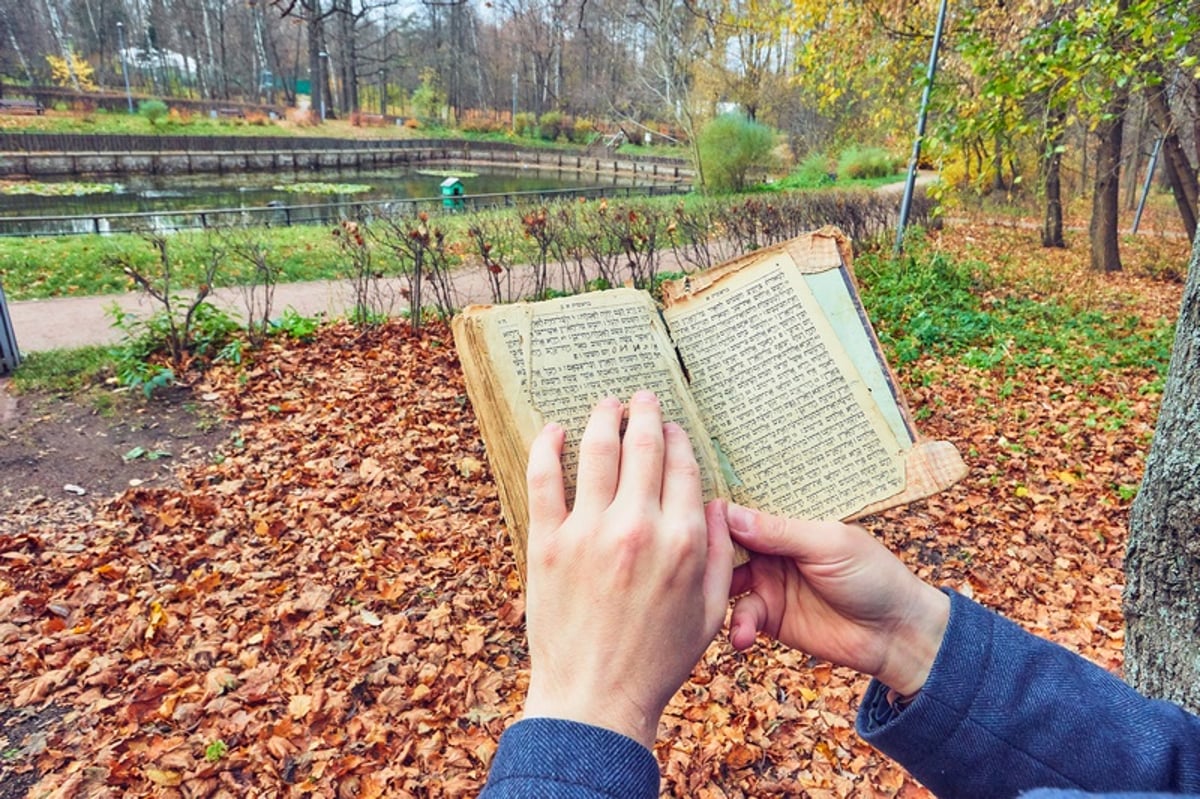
[768, 363]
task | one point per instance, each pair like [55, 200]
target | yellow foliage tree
[76, 72]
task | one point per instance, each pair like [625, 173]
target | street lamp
[124, 67]
[322, 57]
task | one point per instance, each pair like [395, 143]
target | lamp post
[911, 182]
[124, 66]
[322, 58]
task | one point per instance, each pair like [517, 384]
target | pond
[265, 195]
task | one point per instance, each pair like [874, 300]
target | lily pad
[323, 188]
[66, 189]
[447, 173]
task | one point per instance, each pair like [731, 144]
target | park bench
[21, 106]
[231, 112]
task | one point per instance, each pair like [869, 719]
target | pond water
[255, 192]
[185, 192]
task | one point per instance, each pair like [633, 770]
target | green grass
[63, 371]
[927, 304]
[39, 268]
[794, 182]
[122, 123]
[853, 168]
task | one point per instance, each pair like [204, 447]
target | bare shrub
[493, 240]
[425, 262]
[372, 302]
[259, 276]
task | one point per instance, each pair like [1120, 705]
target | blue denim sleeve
[566, 760]
[1004, 712]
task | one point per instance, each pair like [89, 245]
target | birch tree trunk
[60, 40]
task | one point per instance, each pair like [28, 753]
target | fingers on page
[599, 458]
[681, 492]
[642, 451]
[544, 479]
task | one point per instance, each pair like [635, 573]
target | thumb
[761, 532]
[749, 617]
[802, 540]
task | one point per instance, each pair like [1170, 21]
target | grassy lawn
[66, 266]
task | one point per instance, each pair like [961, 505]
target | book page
[565, 355]
[835, 294]
[796, 426]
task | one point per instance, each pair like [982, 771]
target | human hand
[627, 589]
[833, 591]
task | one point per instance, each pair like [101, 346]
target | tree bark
[1106, 199]
[1162, 564]
[1180, 174]
[1052, 224]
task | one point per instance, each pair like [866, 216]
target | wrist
[916, 642]
[621, 717]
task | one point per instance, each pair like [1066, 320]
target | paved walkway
[71, 322]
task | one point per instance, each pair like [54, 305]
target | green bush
[813, 172]
[871, 162]
[551, 125]
[583, 131]
[524, 124]
[153, 110]
[731, 147]
[148, 345]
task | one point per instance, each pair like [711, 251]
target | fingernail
[645, 396]
[739, 519]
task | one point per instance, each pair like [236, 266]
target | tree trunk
[60, 41]
[1162, 564]
[1052, 225]
[1133, 162]
[1106, 200]
[998, 166]
[1180, 173]
[316, 66]
[16, 46]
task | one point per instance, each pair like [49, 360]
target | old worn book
[768, 362]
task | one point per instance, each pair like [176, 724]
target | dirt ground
[59, 458]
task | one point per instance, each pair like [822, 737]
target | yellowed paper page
[565, 355]
[794, 424]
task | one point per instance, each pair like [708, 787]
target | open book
[768, 362]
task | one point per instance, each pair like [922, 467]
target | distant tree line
[1045, 99]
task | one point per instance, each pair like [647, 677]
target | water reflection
[186, 192]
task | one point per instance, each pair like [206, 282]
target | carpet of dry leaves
[331, 608]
